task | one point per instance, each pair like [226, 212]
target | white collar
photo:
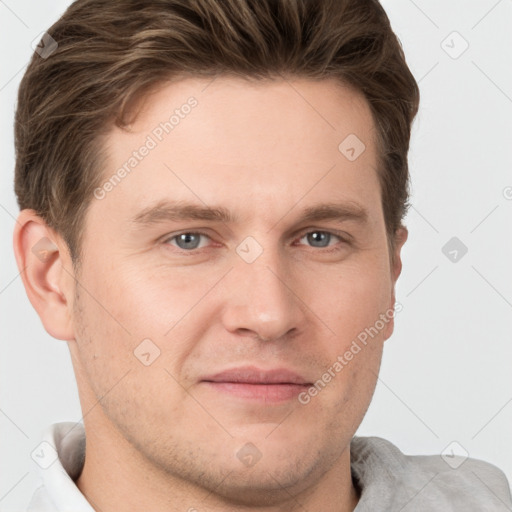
[60, 459]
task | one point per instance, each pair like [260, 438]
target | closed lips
[254, 375]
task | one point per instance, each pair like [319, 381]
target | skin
[158, 437]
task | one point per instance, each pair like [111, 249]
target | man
[211, 198]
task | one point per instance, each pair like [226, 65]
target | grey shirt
[387, 479]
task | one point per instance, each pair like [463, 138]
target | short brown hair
[111, 52]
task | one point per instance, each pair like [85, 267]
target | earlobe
[42, 259]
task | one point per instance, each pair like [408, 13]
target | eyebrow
[168, 210]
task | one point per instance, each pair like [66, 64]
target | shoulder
[425, 482]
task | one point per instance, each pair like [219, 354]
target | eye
[187, 241]
[320, 239]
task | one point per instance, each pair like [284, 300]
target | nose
[260, 299]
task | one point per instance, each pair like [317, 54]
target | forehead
[255, 147]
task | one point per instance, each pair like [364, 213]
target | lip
[254, 375]
[252, 383]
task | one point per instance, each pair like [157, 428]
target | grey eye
[188, 240]
[318, 238]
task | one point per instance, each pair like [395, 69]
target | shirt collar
[61, 459]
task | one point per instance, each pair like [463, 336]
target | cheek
[354, 390]
[137, 302]
[135, 319]
[352, 306]
[353, 299]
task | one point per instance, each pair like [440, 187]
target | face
[224, 346]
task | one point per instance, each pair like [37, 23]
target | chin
[266, 485]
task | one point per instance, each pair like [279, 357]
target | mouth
[251, 383]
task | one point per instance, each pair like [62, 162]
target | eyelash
[302, 235]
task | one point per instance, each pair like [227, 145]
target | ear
[400, 238]
[45, 266]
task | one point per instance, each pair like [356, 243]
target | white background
[447, 370]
